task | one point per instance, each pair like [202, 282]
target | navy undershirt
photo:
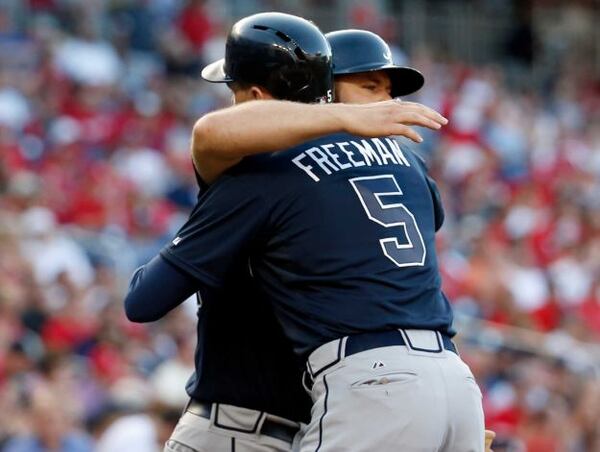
[155, 289]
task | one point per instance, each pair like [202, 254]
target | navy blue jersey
[243, 357]
[339, 233]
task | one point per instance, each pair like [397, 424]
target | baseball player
[246, 391]
[364, 72]
[246, 368]
[309, 220]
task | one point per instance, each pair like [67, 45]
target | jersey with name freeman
[338, 232]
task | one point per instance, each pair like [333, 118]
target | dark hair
[239, 85]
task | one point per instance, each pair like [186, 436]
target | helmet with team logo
[357, 51]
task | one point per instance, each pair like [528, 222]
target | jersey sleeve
[155, 289]
[222, 230]
[436, 198]
[438, 208]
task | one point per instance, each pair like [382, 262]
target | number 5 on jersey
[406, 248]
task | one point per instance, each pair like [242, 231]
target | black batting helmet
[286, 54]
[357, 51]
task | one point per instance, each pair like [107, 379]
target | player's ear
[259, 93]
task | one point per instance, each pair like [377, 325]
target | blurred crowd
[96, 108]
[519, 172]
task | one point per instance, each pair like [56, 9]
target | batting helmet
[286, 54]
[357, 51]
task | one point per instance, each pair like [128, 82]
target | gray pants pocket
[390, 378]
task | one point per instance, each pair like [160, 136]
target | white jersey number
[410, 250]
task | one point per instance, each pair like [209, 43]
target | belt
[270, 427]
[350, 345]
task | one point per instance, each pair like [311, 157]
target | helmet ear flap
[298, 85]
[288, 83]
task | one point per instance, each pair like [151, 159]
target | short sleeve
[222, 229]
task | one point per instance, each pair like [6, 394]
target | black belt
[270, 427]
[367, 341]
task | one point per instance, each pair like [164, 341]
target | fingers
[417, 119]
[394, 118]
[412, 113]
[405, 131]
[422, 109]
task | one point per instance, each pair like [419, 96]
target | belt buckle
[275, 427]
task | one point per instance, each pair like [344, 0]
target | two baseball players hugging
[322, 325]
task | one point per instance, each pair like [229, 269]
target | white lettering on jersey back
[384, 152]
[397, 152]
[335, 157]
[367, 152]
[306, 168]
[321, 160]
[329, 159]
[343, 145]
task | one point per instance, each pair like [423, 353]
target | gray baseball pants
[418, 398]
[229, 429]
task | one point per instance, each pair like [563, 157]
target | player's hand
[393, 117]
[489, 438]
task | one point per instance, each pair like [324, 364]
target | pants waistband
[331, 353]
[245, 420]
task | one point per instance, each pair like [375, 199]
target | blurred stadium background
[97, 100]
